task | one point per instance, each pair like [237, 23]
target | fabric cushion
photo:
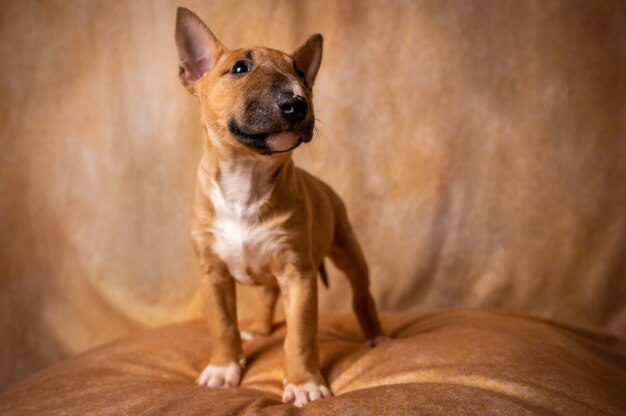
[479, 147]
[450, 362]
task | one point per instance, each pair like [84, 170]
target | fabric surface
[454, 362]
[478, 145]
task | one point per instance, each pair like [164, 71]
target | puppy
[256, 218]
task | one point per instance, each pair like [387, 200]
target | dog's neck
[243, 180]
[245, 183]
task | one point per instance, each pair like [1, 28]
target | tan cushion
[479, 147]
[453, 362]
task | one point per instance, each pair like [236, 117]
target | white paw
[222, 376]
[301, 394]
[372, 342]
[249, 336]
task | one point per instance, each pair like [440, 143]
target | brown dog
[256, 218]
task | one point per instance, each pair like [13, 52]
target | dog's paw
[250, 335]
[221, 376]
[373, 342]
[301, 394]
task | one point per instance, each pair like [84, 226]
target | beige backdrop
[480, 147]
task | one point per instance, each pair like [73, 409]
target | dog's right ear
[198, 48]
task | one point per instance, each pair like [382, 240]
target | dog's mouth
[268, 143]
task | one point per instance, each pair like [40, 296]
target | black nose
[294, 107]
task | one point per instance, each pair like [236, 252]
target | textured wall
[480, 147]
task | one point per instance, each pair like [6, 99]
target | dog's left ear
[308, 57]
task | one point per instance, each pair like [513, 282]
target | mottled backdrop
[480, 147]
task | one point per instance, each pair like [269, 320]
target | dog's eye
[240, 67]
[300, 73]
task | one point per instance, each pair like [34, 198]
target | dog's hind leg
[346, 254]
[261, 321]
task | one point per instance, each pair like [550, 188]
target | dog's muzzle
[267, 143]
[275, 127]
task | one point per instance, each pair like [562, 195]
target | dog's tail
[323, 274]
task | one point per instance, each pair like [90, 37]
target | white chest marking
[244, 243]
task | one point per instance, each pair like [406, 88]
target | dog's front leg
[303, 380]
[227, 359]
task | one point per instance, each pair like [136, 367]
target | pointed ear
[198, 48]
[308, 57]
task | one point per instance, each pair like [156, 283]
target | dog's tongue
[281, 142]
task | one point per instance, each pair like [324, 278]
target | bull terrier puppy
[256, 218]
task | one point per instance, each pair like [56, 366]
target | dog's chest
[244, 243]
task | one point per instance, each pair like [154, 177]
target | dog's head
[257, 99]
